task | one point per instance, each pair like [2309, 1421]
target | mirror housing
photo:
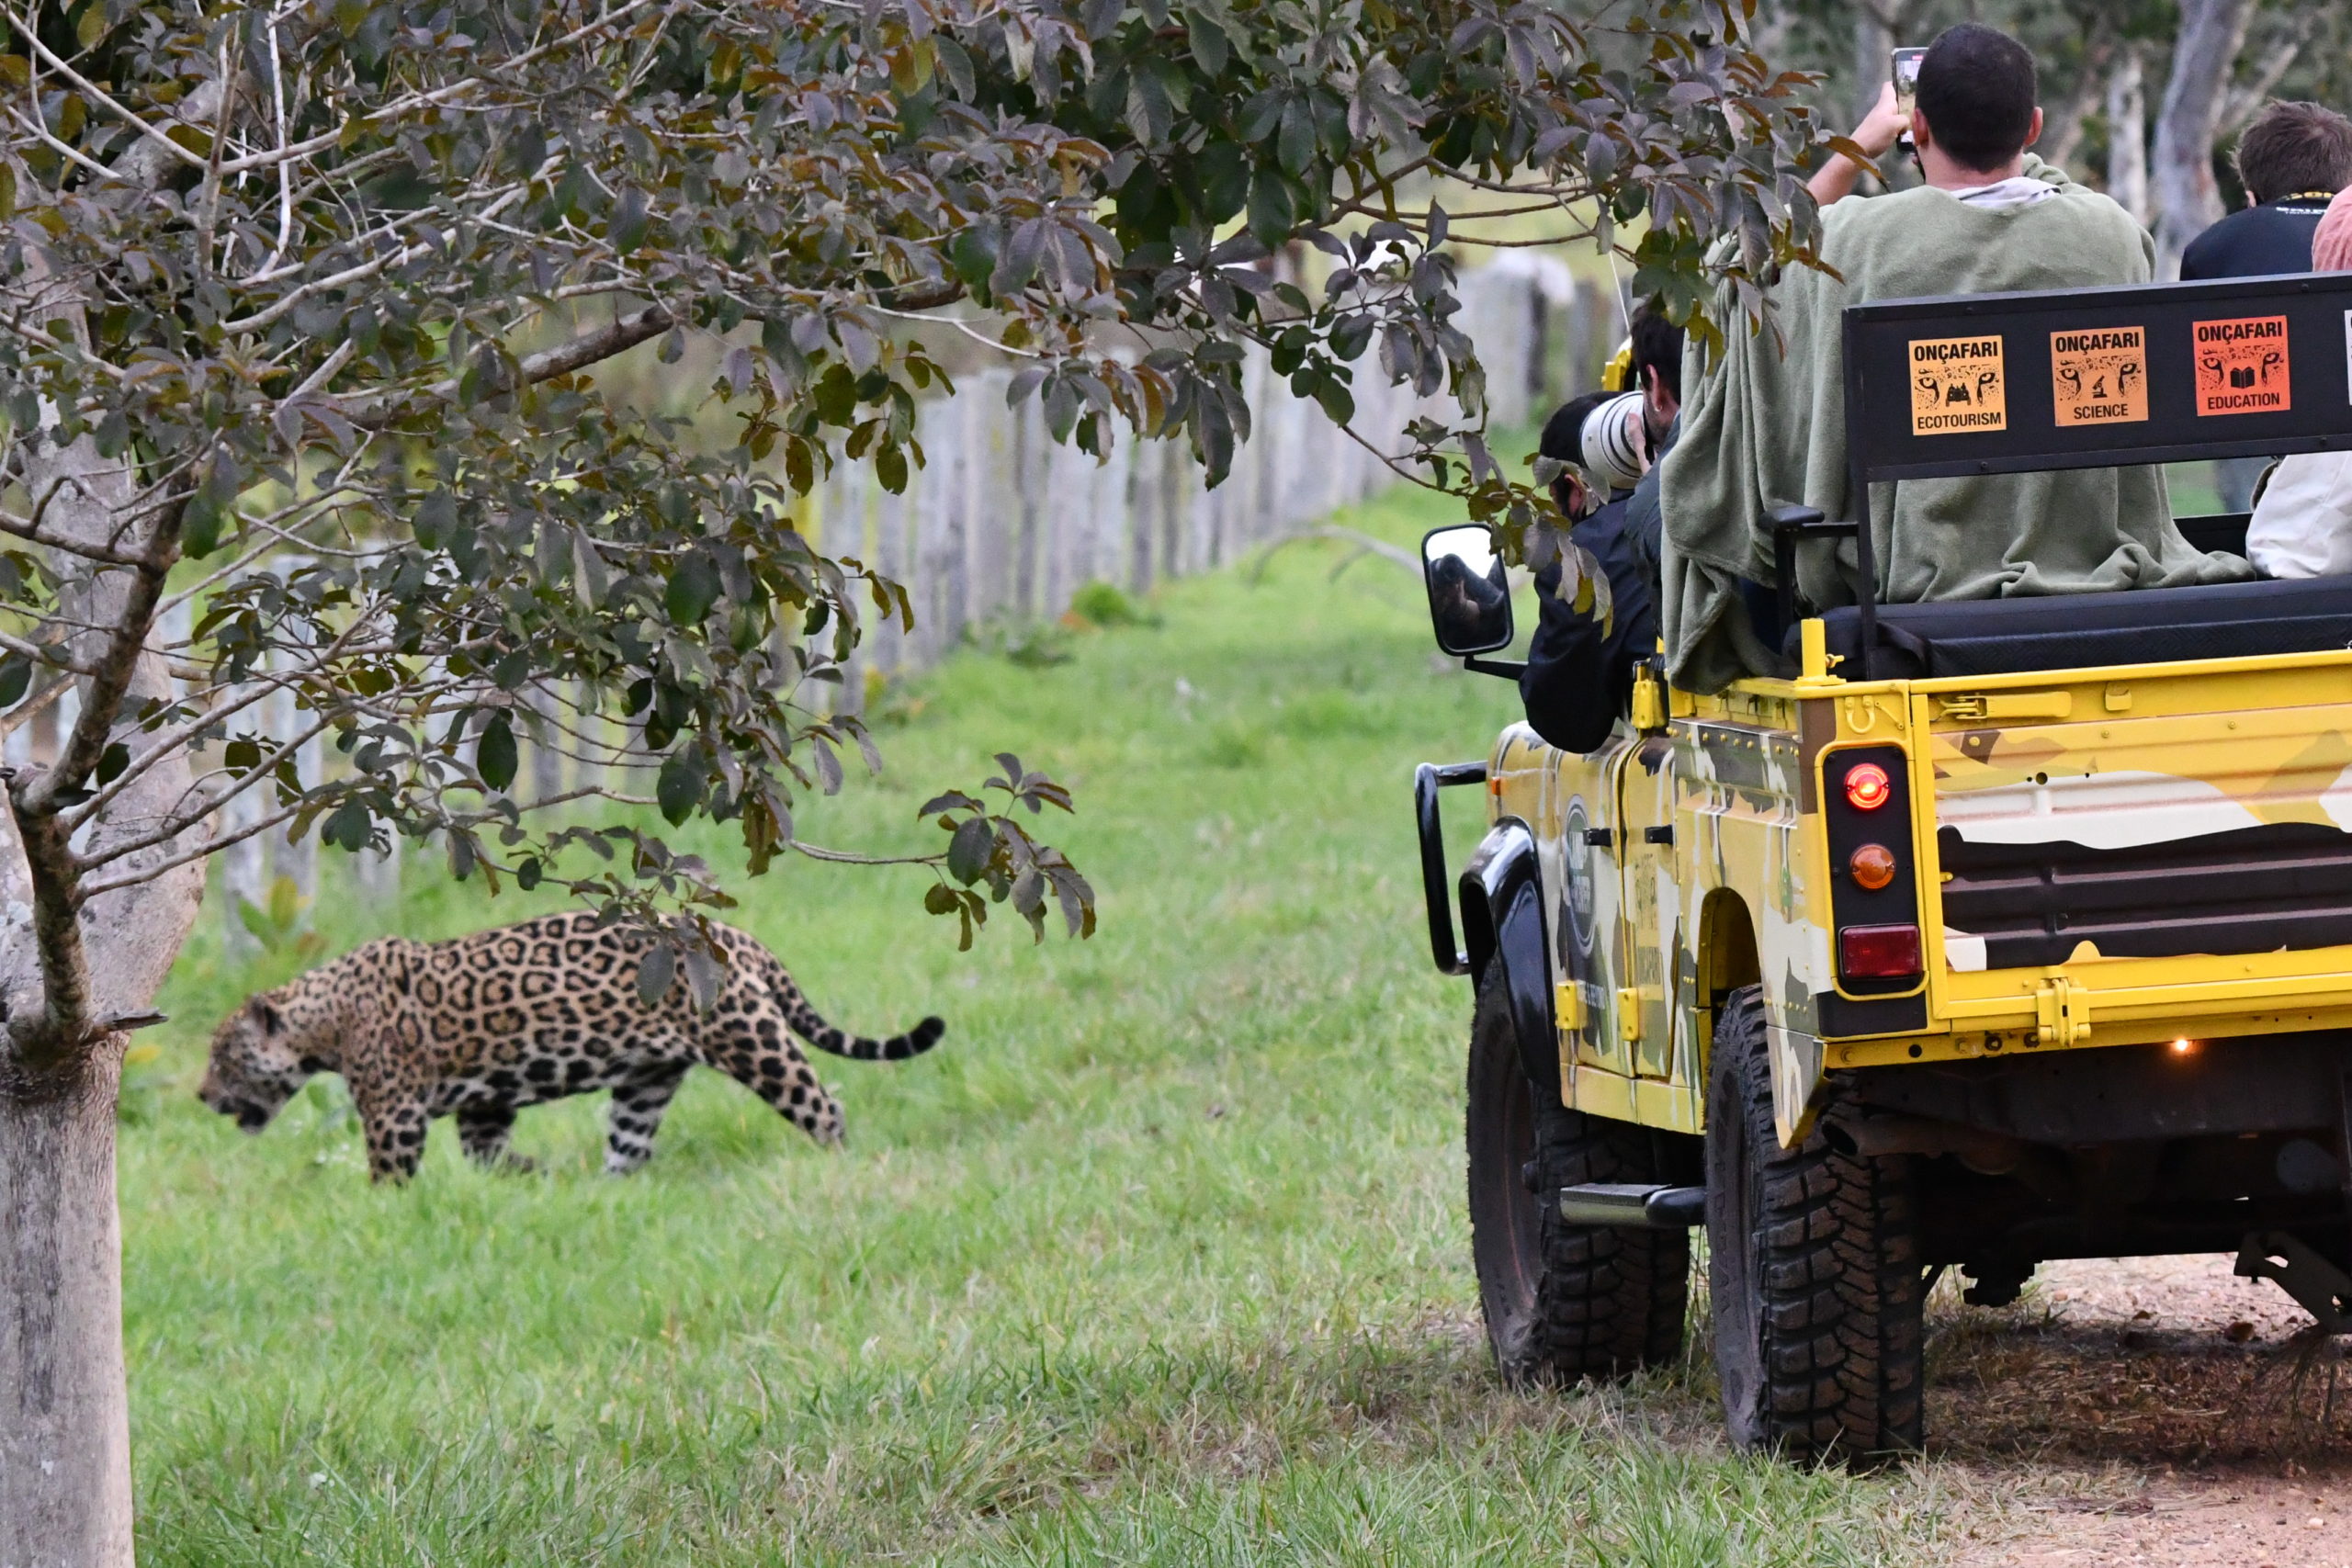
[1469, 593]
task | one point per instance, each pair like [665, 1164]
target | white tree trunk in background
[2126, 134]
[2062, 131]
[64, 1415]
[2204, 54]
[1876, 25]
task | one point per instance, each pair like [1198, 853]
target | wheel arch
[1504, 923]
[1728, 958]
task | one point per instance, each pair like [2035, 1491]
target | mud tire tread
[1828, 1257]
[1584, 1301]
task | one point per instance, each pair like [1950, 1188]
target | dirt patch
[2251, 1523]
[2156, 1411]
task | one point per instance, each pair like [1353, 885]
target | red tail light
[1867, 787]
[1879, 951]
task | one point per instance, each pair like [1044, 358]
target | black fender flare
[1503, 922]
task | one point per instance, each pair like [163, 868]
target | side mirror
[1469, 595]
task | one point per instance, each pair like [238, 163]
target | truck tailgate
[2157, 822]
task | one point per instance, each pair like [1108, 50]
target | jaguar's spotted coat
[480, 1027]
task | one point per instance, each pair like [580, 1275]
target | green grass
[1160, 1257]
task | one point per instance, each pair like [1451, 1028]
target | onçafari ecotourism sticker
[1957, 385]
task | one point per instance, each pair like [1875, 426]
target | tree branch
[587, 349]
[110, 677]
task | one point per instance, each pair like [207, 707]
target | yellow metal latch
[1649, 701]
[2010, 705]
[2061, 1013]
[1567, 1000]
[1629, 1014]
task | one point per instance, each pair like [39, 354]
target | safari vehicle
[2000, 931]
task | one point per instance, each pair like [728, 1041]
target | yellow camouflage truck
[1999, 932]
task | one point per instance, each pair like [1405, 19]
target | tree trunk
[2062, 131]
[2187, 199]
[1875, 22]
[64, 1408]
[64, 1431]
[2126, 134]
[64, 1419]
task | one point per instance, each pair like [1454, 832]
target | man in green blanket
[1762, 426]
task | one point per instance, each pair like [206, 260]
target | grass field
[1160, 1257]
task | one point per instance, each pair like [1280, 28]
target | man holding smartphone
[1765, 422]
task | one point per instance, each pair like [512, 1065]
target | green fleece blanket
[1767, 425]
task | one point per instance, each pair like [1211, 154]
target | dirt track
[2155, 1411]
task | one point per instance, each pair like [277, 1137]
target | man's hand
[1881, 125]
[1876, 134]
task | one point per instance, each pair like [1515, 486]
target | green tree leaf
[494, 753]
[969, 851]
[693, 588]
[679, 788]
[654, 973]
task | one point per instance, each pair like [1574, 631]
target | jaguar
[479, 1027]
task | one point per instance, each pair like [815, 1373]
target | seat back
[2099, 378]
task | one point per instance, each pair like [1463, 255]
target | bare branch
[109, 678]
[587, 349]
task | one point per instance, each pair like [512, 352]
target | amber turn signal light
[1872, 866]
[1867, 787]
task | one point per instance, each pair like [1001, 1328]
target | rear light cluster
[1875, 905]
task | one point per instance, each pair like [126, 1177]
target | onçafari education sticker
[2242, 365]
[2099, 375]
[1958, 385]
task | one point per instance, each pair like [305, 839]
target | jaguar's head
[257, 1064]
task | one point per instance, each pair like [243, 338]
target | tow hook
[1634, 1205]
[2319, 1287]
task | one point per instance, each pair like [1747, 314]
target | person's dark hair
[1657, 345]
[2293, 148]
[1563, 432]
[1976, 89]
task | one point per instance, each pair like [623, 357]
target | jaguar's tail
[810, 1025]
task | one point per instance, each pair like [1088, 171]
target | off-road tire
[1562, 1301]
[1813, 1269]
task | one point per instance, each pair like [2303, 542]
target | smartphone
[1906, 73]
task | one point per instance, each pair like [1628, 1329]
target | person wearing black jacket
[1579, 676]
[2293, 158]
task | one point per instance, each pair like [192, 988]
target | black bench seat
[2081, 631]
[2076, 631]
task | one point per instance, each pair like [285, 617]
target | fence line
[1003, 527]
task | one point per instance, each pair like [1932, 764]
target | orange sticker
[1957, 386]
[2242, 365]
[2099, 375]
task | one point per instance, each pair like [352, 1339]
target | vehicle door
[1648, 936]
[1581, 862]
